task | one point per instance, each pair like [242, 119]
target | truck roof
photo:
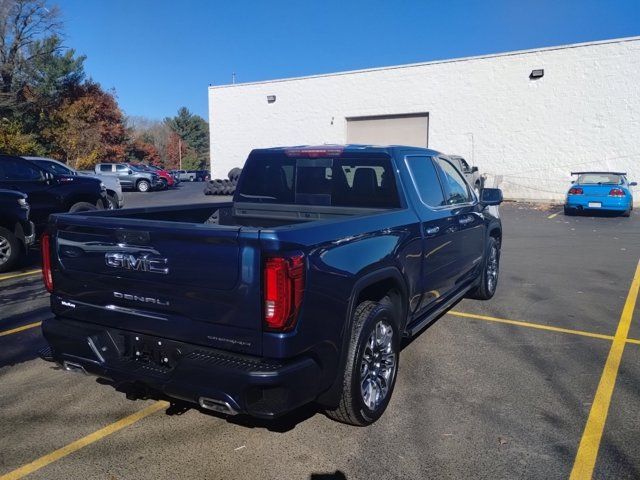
[351, 148]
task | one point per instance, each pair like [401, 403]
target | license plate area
[153, 351]
[595, 205]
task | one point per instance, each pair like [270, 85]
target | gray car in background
[111, 183]
[130, 177]
[471, 174]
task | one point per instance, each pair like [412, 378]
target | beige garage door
[410, 129]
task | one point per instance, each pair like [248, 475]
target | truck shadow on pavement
[22, 346]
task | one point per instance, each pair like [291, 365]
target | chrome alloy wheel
[5, 250]
[378, 365]
[492, 269]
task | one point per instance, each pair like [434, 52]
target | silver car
[471, 174]
[111, 183]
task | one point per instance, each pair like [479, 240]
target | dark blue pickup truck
[300, 290]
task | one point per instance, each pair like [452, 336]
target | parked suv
[130, 177]
[115, 198]
[471, 174]
[17, 232]
[50, 193]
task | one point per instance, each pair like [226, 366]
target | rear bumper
[607, 203]
[256, 386]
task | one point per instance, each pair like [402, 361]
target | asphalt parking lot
[516, 387]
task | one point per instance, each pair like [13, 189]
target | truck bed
[237, 215]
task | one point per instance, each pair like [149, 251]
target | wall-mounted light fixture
[271, 98]
[538, 73]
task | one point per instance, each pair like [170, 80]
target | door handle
[466, 219]
[431, 230]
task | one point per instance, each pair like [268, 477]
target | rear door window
[425, 179]
[16, 169]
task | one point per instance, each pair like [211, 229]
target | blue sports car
[600, 191]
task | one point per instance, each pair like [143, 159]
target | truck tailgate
[178, 281]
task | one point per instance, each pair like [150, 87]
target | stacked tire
[225, 186]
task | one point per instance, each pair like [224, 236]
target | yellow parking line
[8, 276]
[590, 443]
[20, 329]
[538, 326]
[633, 340]
[553, 215]
[83, 442]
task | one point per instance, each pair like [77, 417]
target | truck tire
[234, 173]
[371, 365]
[143, 186]
[82, 207]
[10, 250]
[490, 270]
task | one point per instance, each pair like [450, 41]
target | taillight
[283, 289]
[575, 191]
[311, 152]
[47, 276]
[616, 192]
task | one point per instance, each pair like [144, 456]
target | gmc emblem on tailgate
[139, 263]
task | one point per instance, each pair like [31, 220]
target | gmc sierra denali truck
[299, 290]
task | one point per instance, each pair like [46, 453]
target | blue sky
[159, 54]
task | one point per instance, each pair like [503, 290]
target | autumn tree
[88, 128]
[25, 25]
[193, 130]
[140, 151]
[14, 141]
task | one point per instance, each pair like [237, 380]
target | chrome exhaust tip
[73, 367]
[217, 406]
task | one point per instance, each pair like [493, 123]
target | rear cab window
[364, 180]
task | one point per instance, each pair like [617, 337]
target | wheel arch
[495, 231]
[374, 286]
[85, 197]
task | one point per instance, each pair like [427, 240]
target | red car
[166, 179]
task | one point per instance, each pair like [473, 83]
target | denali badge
[137, 298]
[140, 263]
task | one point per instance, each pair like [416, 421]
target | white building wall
[527, 135]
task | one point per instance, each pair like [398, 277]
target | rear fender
[332, 395]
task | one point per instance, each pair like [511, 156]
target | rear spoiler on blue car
[610, 173]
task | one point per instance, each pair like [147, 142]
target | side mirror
[633, 184]
[474, 169]
[490, 196]
[130, 172]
